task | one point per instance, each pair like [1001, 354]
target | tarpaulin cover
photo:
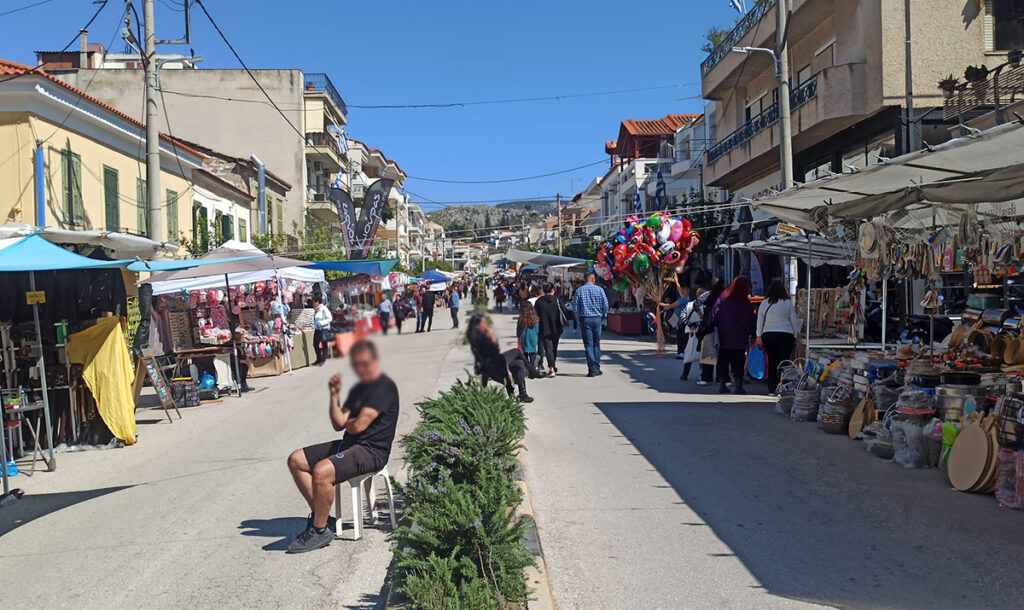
[433, 275]
[536, 258]
[107, 372]
[185, 263]
[241, 267]
[33, 253]
[370, 267]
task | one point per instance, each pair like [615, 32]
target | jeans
[778, 347]
[455, 317]
[385, 319]
[592, 341]
[319, 345]
[549, 349]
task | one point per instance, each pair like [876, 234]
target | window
[279, 216]
[881, 146]
[227, 226]
[820, 169]
[111, 199]
[803, 75]
[71, 173]
[172, 216]
[243, 233]
[754, 108]
[142, 206]
[200, 225]
[270, 215]
[826, 56]
[1007, 24]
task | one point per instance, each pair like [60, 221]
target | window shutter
[142, 207]
[990, 26]
[111, 199]
[172, 216]
[65, 175]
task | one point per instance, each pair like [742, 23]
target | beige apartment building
[93, 169]
[848, 74]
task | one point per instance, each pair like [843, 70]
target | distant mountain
[476, 220]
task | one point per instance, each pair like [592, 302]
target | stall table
[626, 323]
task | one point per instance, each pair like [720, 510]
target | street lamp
[785, 129]
[775, 58]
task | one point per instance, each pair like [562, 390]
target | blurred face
[366, 366]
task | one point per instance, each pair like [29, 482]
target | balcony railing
[320, 138]
[318, 81]
[318, 193]
[764, 120]
[972, 100]
[760, 8]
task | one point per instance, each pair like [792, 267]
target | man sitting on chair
[368, 417]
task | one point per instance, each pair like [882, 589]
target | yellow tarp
[108, 374]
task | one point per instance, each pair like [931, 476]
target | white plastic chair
[357, 485]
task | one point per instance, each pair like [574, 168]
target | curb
[541, 596]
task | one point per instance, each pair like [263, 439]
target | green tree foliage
[465, 539]
[713, 38]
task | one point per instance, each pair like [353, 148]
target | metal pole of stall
[234, 344]
[807, 339]
[3, 453]
[885, 310]
[51, 464]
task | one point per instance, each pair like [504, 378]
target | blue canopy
[370, 267]
[432, 275]
[33, 253]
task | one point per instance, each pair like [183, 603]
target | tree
[713, 39]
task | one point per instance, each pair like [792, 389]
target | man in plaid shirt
[590, 304]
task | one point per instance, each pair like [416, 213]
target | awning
[116, 245]
[368, 267]
[185, 263]
[981, 167]
[536, 258]
[433, 275]
[33, 253]
[821, 251]
[241, 267]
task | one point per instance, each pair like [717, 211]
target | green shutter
[172, 216]
[270, 215]
[71, 175]
[279, 217]
[111, 199]
[142, 206]
[243, 234]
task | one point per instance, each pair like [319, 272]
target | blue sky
[405, 52]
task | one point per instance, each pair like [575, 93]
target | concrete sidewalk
[653, 493]
[199, 512]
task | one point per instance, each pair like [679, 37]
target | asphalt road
[652, 493]
[199, 512]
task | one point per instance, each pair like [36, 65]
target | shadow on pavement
[285, 529]
[33, 506]
[813, 517]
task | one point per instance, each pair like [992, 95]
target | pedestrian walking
[454, 300]
[401, 308]
[499, 297]
[384, 311]
[733, 316]
[322, 318]
[427, 317]
[688, 325]
[591, 308]
[528, 329]
[552, 323]
[777, 325]
[679, 305]
[417, 301]
[707, 335]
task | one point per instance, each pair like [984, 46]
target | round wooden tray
[969, 458]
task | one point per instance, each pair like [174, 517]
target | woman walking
[706, 334]
[549, 311]
[401, 311]
[528, 331]
[777, 325]
[689, 322]
[733, 316]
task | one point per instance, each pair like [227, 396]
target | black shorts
[348, 463]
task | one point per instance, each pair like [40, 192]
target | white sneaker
[681, 357]
[702, 382]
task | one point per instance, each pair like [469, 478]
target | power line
[37, 69]
[23, 8]
[247, 70]
[522, 179]
[518, 100]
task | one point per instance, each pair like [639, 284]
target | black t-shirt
[428, 301]
[381, 395]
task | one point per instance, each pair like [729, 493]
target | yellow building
[93, 161]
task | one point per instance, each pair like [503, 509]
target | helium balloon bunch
[660, 243]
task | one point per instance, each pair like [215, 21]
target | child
[528, 330]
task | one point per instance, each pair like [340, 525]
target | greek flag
[659, 190]
[638, 206]
[739, 6]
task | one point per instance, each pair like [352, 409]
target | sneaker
[723, 389]
[311, 539]
[702, 382]
[525, 398]
[332, 522]
[681, 357]
[552, 372]
[598, 373]
[591, 374]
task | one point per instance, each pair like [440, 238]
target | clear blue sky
[435, 52]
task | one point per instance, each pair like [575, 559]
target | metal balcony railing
[320, 138]
[318, 81]
[764, 120]
[972, 100]
[318, 193]
[748, 21]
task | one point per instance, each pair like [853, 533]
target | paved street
[651, 494]
[199, 513]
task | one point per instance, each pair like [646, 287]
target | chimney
[83, 53]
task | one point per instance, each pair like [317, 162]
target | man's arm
[339, 416]
[359, 424]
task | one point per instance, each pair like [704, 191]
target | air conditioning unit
[318, 167]
[319, 197]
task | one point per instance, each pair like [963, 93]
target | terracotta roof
[658, 127]
[10, 68]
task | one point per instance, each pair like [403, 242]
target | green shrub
[461, 499]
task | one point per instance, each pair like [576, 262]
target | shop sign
[37, 297]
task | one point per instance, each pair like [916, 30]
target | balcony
[760, 9]
[319, 204]
[318, 81]
[323, 148]
[762, 121]
[970, 101]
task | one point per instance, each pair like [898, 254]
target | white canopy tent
[116, 245]
[537, 258]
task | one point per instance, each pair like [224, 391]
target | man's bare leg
[323, 492]
[302, 473]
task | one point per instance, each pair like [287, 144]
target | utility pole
[558, 224]
[154, 214]
[782, 65]
[909, 113]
